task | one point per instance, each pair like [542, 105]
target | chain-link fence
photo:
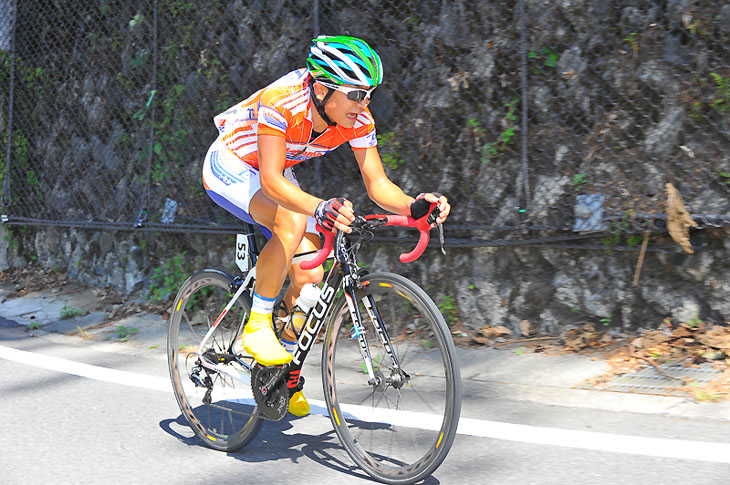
[562, 116]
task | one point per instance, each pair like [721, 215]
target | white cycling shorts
[232, 183]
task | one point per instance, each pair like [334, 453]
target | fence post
[142, 216]
[9, 136]
[317, 161]
[316, 18]
[523, 179]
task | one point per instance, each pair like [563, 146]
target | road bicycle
[390, 377]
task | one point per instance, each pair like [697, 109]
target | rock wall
[621, 99]
[554, 289]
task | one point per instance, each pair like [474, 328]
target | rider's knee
[290, 228]
[301, 277]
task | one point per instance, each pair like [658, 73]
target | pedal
[270, 390]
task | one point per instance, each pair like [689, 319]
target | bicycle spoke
[400, 428]
[212, 401]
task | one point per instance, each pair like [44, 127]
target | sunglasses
[353, 94]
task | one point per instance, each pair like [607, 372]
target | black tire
[383, 428]
[229, 419]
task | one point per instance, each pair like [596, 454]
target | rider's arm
[384, 192]
[272, 160]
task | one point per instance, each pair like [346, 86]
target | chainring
[275, 403]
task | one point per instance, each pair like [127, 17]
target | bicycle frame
[343, 275]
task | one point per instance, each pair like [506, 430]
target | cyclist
[248, 171]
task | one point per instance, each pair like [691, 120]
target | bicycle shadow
[272, 443]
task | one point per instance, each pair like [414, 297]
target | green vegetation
[724, 176]
[618, 233]
[124, 333]
[413, 21]
[548, 57]
[448, 308]
[694, 322]
[715, 97]
[167, 279]
[376, 364]
[707, 396]
[137, 19]
[721, 101]
[634, 239]
[11, 238]
[167, 111]
[633, 41]
[36, 83]
[388, 147]
[580, 180]
[505, 139]
[70, 312]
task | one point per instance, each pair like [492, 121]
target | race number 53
[243, 258]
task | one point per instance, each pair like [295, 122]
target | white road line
[587, 440]
[85, 370]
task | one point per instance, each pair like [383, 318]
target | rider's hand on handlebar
[444, 207]
[335, 213]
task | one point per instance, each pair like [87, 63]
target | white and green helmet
[341, 59]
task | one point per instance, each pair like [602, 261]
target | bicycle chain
[263, 373]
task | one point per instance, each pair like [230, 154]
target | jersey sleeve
[365, 136]
[273, 119]
[366, 141]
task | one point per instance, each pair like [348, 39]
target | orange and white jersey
[284, 108]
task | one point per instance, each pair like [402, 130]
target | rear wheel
[212, 388]
[398, 426]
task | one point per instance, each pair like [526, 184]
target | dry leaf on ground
[582, 337]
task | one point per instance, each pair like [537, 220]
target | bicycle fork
[398, 376]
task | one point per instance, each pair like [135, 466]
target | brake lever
[432, 219]
[441, 237]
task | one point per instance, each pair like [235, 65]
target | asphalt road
[121, 424]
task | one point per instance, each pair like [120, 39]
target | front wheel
[398, 419]
[212, 387]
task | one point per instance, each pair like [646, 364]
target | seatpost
[254, 250]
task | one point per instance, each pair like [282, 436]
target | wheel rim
[397, 435]
[223, 416]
